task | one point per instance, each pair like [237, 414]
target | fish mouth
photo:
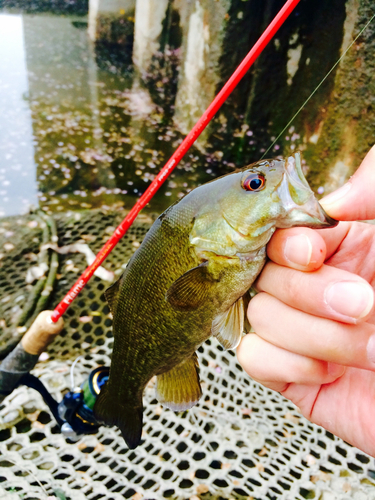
[330, 220]
[301, 208]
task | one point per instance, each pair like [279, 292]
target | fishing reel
[76, 408]
[74, 414]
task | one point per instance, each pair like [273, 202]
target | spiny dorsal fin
[111, 295]
[227, 327]
[179, 389]
[190, 290]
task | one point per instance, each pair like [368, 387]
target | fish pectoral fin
[179, 389]
[228, 326]
[111, 294]
[189, 291]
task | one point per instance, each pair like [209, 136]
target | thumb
[355, 200]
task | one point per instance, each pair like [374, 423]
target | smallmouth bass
[189, 280]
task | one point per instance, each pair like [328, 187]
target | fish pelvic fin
[228, 326]
[128, 418]
[179, 389]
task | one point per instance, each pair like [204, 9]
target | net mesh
[241, 441]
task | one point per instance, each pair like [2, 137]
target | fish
[189, 280]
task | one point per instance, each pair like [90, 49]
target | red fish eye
[254, 182]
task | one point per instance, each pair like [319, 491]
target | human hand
[314, 316]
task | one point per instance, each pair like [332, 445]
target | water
[79, 128]
[17, 168]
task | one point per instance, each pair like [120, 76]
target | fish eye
[253, 182]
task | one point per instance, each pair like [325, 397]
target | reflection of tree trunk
[104, 175]
[65, 110]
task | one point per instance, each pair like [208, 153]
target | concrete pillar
[203, 36]
[149, 16]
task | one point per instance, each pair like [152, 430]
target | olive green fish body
[186, 283]
[145, 345]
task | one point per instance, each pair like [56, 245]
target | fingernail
[298, 250]
[371, 349]
[337, 195]
[349, 298]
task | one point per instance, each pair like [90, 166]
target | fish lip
[315, 220]
[312, 213]
[330, 220]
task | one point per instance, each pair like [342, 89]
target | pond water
[78, 128]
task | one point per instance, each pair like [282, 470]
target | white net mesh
[241, 441]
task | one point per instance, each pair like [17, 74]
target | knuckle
[257, 308]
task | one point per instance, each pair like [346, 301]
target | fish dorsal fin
[190, 290]
[111, 294]
[179, 389]
[227, 327]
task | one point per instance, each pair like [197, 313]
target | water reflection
[100, 136]
[17, 169]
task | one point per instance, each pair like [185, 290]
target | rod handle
[41, 333]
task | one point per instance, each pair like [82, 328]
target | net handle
[198, 128]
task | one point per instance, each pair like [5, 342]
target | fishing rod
[74, 413]
[171, 164]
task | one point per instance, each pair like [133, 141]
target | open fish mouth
[301, 208]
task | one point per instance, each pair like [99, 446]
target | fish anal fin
[127, 417]
[111, 294]
[190, 290]
[179, 389]
[228, 326]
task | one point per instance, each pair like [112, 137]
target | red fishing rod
[177, 156]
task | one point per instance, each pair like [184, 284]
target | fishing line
[29, 471]
[316, 88]
[72, 372]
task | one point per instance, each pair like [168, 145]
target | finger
[328, 292]
[306, 249]
[307, 335]
[276, 368]
[334, 237]
[299, 248]
[355, 199]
